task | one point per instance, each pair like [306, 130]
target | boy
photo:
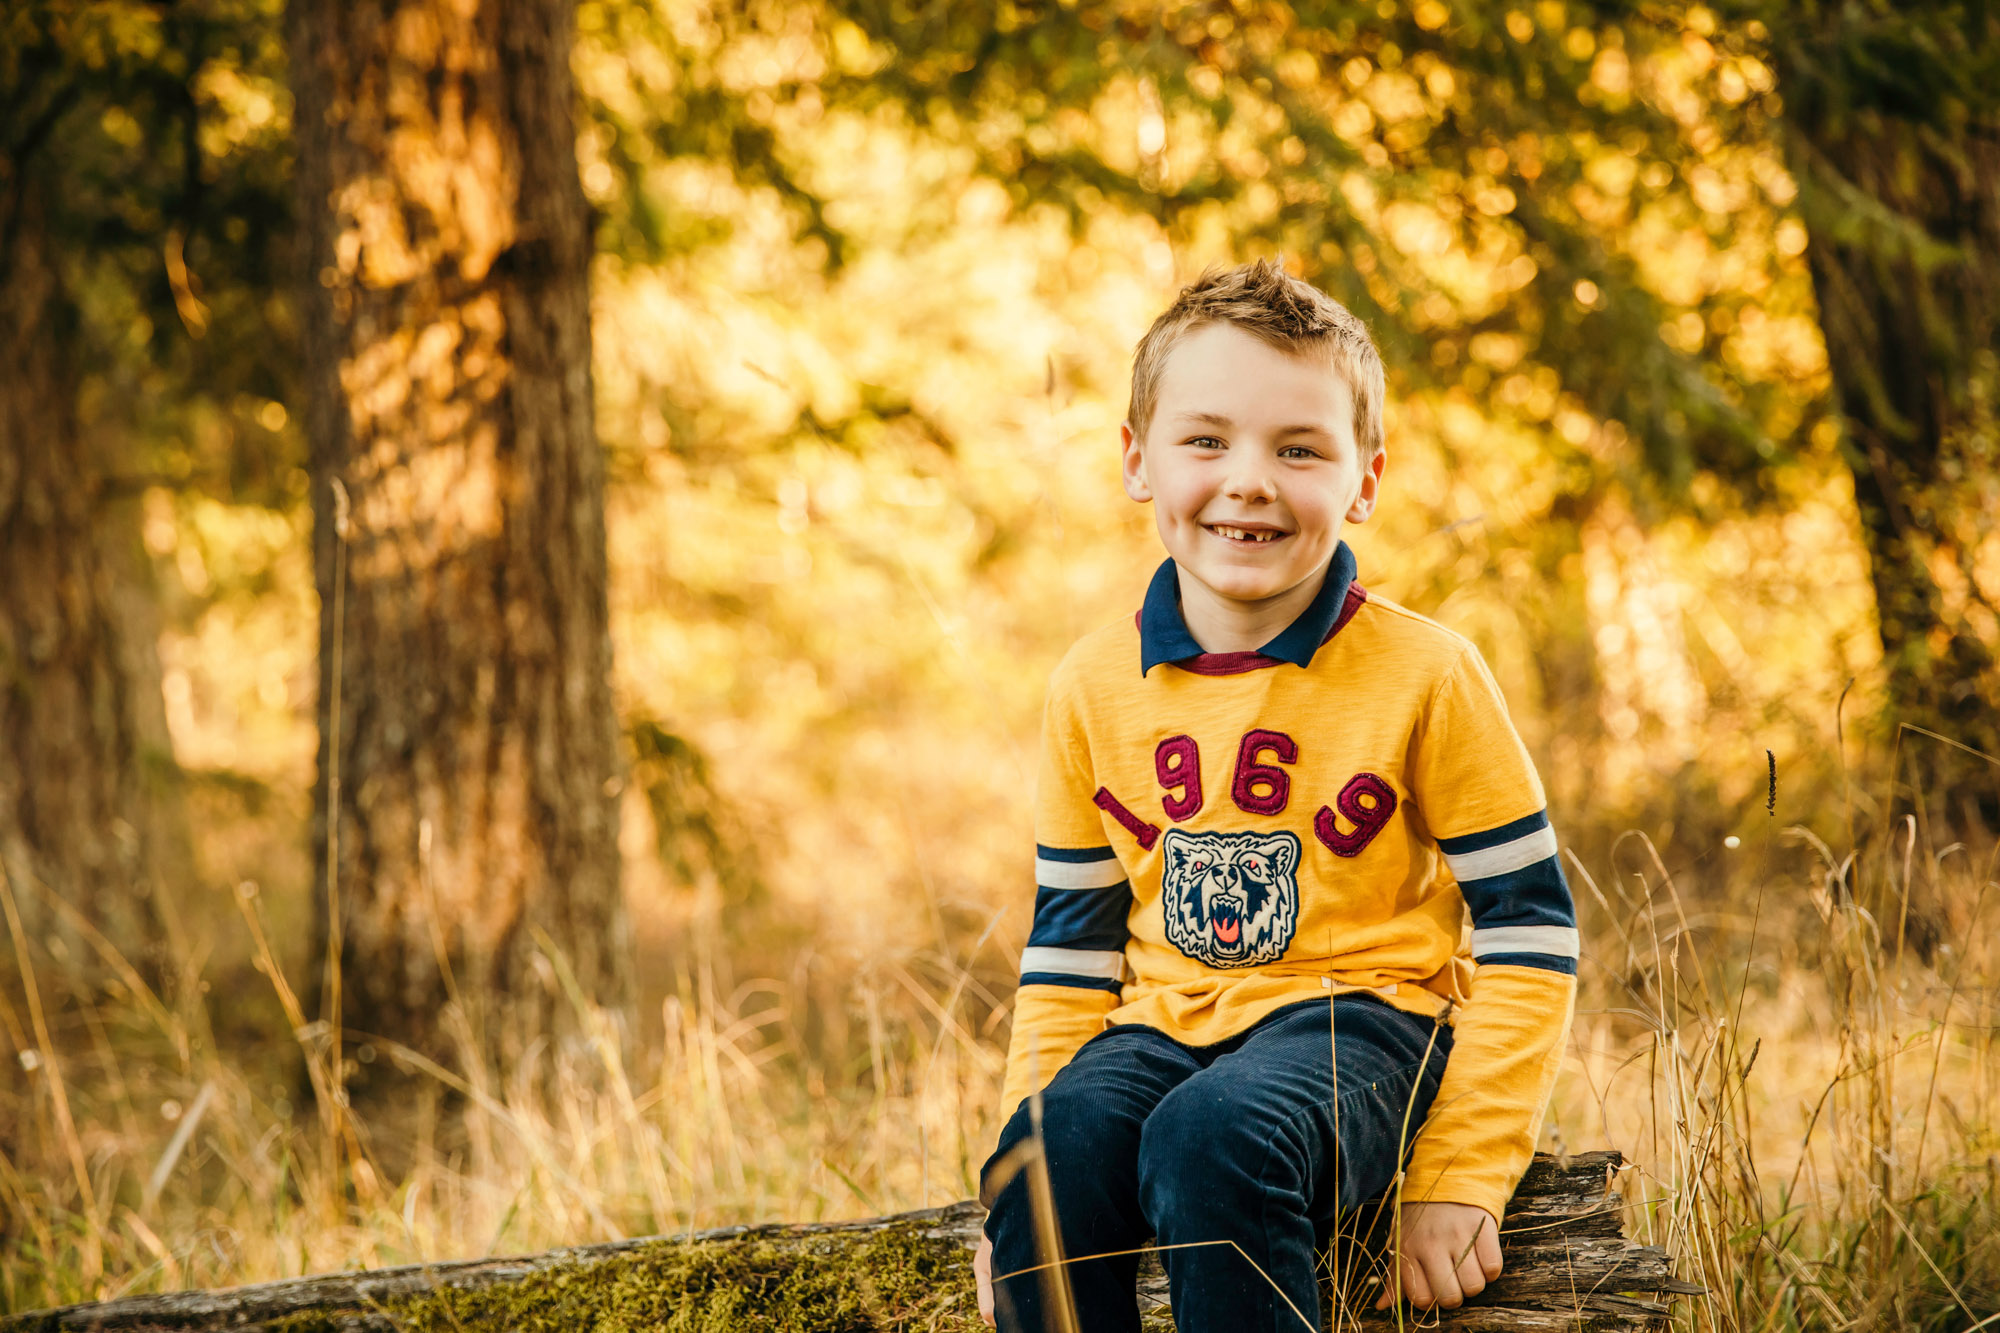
[1266, 794]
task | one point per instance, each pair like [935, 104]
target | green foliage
[699, 838]
[156, 137]
[1526, 133]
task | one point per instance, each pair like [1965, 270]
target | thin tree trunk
[472, 774]
[74, 823]
[1902, 204]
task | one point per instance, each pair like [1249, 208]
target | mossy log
[1568, 1266]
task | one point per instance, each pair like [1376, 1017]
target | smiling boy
[1268, 804]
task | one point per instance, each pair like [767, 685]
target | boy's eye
[1207, 442]
[1298, 451]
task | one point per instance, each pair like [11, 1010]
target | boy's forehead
[1221, 371]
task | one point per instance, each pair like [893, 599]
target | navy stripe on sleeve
[1069, 979]
[1548, 962]
[1535, 895]
[1079, 854]
[1512, 883]
[1494, 837]
[1081, 918]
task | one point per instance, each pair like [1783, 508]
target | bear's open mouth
[1226, 921]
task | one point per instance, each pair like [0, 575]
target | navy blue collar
[1164, 637]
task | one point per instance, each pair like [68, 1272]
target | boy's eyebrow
[1217, 419]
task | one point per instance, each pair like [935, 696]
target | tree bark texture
[1900, 191]
[468, 760]
[1568, 1268]
[76, 762]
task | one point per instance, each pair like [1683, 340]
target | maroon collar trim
[1235, 664]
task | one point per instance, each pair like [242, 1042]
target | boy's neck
[1223, 625]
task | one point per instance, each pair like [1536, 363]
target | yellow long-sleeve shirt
[1220, 835]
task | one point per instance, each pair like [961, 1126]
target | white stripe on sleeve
[1078, 874]
[1561, 941]
[1075, 962]
[1504, 859]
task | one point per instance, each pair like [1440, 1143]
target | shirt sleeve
[1073, 970]
[1480, 796]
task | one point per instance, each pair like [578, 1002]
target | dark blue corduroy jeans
[1247, 1140]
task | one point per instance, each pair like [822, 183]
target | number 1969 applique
[1260, 786]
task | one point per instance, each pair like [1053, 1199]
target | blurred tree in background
[1891, 127]
[135, 156]
[469, 774]
[72, 780]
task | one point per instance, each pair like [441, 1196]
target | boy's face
[1250, 463]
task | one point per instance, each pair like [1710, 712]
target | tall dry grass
[1811, 1101]
[1793, 1042]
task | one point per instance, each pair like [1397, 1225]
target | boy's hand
[982, 1273]
[1450, 1251]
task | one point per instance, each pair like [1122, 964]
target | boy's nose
[1250, 477]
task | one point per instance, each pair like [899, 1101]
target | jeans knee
[1087, 1162]
[1200, 1154]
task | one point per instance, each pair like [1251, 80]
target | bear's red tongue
[1227, 931]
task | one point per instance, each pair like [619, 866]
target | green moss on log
[897, 1278]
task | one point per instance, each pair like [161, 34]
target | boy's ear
[1371, 484]
[1134, 461]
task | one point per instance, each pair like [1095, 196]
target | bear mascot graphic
[1231, 899]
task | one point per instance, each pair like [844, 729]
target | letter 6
[1252, 773]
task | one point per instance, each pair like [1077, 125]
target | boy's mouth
[1247, 535]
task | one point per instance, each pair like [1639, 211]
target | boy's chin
[1250, 587]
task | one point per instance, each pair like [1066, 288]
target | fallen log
[1568, 1266]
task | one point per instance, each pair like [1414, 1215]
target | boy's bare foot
[1449, 1251]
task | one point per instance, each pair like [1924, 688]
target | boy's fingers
[1441, 1273]
[982, 1273]
[1416, 1283]
[1390, 1284]
[1471, 1276]
[1488, 1249]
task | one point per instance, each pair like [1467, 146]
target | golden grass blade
[45, 1047]
[1056, 1295]
[1158, 1249]
[190, 1121]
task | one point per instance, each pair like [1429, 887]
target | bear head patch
[1231, 899]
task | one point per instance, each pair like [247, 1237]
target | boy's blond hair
[1287, 312]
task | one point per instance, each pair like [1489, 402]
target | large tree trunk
[75, 826]
[1900, 188]
[468, 762]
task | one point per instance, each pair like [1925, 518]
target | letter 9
[1178, 762]
[1367, 801]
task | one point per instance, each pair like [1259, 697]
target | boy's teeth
[1238, 534]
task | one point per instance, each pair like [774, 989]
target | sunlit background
[862, 340]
